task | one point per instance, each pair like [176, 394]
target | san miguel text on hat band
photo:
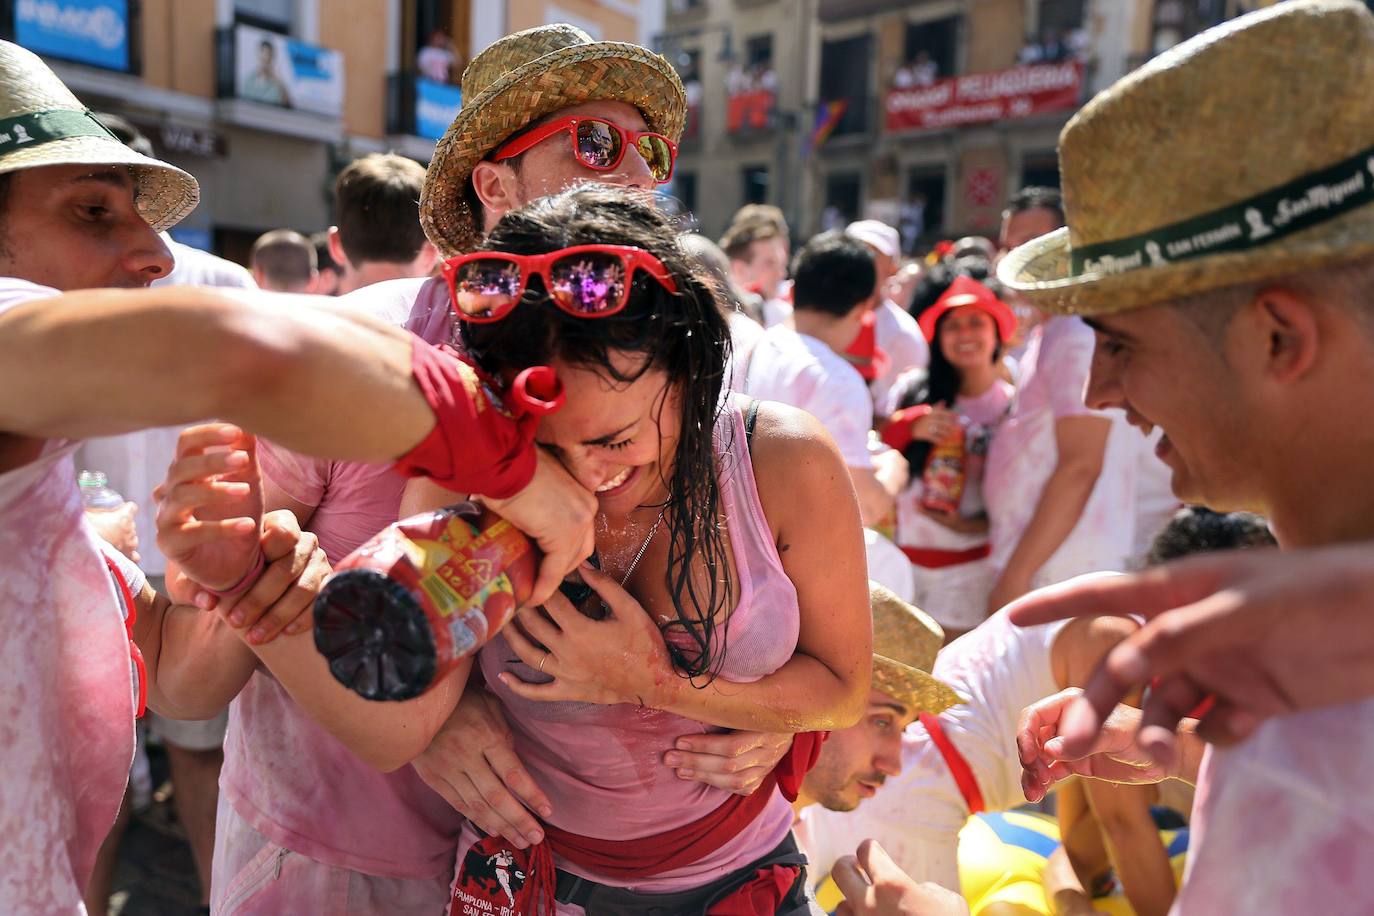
[1300, 204]
[37, 127]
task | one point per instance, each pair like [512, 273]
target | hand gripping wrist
[479, 443]
[245, 583]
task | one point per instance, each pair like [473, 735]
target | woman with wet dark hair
[728, 590]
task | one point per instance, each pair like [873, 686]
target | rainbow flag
[828, 115]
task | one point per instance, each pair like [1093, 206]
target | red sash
[626, 860]
[931, 558]
[958, 766]
[681, 846]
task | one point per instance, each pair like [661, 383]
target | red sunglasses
[600, 145]
[587, 281]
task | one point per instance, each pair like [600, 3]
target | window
[1040, 170]
[1061, 15]
[685, 190]
[687, 62]
[923, 211]
[929, 52]
[843, 193]
[755, 184]
[274, 15]
[1177, 20]
[758, 52]
[752, 87]
[844, 75]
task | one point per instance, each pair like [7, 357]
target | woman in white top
[966, 328]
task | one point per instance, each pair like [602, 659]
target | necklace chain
[643, 547]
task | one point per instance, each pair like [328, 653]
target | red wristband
[241, 586]
[478, 445]
[896, 434]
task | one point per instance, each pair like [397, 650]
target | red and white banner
[982, 98]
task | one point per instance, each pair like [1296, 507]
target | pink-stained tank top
[602, 766]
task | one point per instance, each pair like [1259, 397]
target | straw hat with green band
[520, 79]
[1241, 155]
[905, 641]
[42, 123]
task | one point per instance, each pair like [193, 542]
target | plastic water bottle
[96, 492]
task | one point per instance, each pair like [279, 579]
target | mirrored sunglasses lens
[598, 144]
[588, 283]
[487, 287]
[657, 154]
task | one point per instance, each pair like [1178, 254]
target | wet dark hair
[939, 384]
[1195, 530]
[683, 334]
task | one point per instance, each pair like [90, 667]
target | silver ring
[543, 660]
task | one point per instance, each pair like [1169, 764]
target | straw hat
[905, 640]
[519, 80]
[1243, 154]
[42, 123]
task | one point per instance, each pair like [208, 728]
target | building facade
[264, 101]
[926, 114]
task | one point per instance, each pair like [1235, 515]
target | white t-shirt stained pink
[1284, 822]
[999, 668]
[800, 370]
[898, 334]
[1054, 374]
[66, 691]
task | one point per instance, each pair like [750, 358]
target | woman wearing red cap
[962, 397]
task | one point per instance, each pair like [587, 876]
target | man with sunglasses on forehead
[543, 110]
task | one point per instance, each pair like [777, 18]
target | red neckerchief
[958, 766]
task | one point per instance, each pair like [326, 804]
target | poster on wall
[94, 32]
[276, 70]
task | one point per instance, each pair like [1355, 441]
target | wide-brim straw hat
[905, 641]
[520, 79]
[42, 123]
[1241, 155]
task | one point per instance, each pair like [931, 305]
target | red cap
[967, 291]
[864, 353]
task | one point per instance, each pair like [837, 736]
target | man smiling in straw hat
[1220, 240]
[79, 209]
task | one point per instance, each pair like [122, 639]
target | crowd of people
[870, 553]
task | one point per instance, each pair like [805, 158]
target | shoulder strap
[751, 416]
[958, 765]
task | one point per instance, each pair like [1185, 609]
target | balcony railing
[751, 112]
[420, 107]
